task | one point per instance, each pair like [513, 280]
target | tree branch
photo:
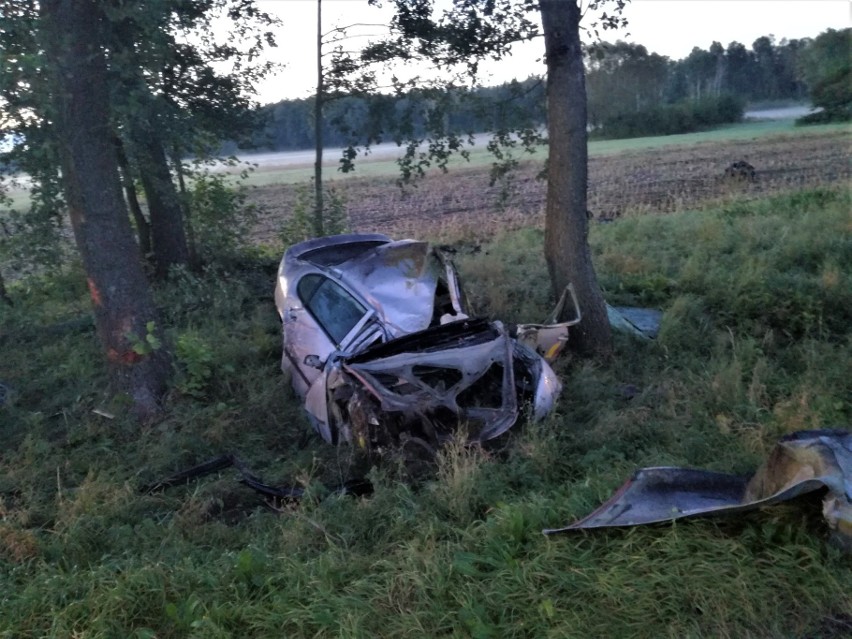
[350, 26]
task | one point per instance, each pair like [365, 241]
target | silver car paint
[397, 282]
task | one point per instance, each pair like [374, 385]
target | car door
[318, 327]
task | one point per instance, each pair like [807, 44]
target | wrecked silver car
[379, 344]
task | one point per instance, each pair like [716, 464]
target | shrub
[683, 117]
[304, 224]
[219, 216]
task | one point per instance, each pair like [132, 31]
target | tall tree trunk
[319, 215]
[143, 227]
[111, 258]
[167, 230]
[566, 245]
[185, 208]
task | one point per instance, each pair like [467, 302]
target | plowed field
[663, 180]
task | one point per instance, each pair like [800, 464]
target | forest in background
[631, 92]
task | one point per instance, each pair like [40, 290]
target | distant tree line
[631, 92]
[350, 119]
[635, 92]
[827, 70]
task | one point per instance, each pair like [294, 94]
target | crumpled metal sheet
[399, 281]
[800, 463]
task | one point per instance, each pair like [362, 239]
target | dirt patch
[665, 180]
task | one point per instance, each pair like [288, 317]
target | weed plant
[305, 221]
[755, 343]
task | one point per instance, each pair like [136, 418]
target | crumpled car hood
[401, 280]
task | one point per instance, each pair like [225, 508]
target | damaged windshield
[334, 308]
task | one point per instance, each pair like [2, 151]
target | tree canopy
[122, 93]
[827, 68]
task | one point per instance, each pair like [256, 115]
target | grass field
[755, 343]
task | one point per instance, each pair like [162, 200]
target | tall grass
[755, 343]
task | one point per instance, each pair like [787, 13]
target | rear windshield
[339, 253]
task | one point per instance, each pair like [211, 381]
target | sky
[667, 27]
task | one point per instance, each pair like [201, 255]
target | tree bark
[319, 214]
[168, 237]
[566, 245]
[111, 258]
[168, 244]
[143, 227]
[192, 246]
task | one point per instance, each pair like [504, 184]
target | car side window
[332, 306]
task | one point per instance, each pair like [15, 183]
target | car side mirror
[313, 361]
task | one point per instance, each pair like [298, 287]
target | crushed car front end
[468, 376]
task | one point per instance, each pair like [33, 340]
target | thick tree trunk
[566, 245]
[168, 237]
[111, 258]
[143, 227]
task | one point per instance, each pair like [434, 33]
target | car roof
[395, 278]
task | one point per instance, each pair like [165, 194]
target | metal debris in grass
[802, 462]
[357, 487]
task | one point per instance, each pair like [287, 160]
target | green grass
[755, 343]
[731, 132]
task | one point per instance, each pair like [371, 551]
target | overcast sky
[668, 27]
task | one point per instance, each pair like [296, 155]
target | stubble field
[660, 180]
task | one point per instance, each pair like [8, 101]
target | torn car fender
[549, 339]
[547, 392]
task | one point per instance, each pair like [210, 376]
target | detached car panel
[378, 344]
